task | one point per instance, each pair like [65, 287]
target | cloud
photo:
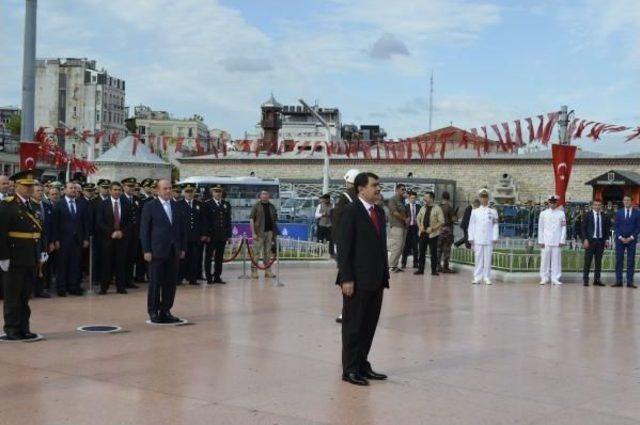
[244, 64]
[387, 46]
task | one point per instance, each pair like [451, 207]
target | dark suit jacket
[135, 212]
[194, 219]
[218, 220]
[627, 227]
[157, 234]
[105, 219]
[337, 211]
[587, 226]
[68, 228]
[466, 217]
[407, 210]
[362, 257]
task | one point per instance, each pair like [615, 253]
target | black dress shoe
[62, 294]
[587, 284]
[14, 337]
[598, 283]
[156, 319]
[209, 282]
[418, 272]
[632, 286]
[617, 285]
[193, 283]
[435, 274]
[355, 379]
[29, 335]
[220, 281]
[370, 374]
[171, 318]
[43, 295]
[122, 291]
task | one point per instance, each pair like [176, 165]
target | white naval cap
[350, 176]
[483, 192]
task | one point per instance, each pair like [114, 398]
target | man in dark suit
[104, 186]
[112, 222]
[132, 234]
[218, 223]
[627, 229]
[595, 229]
[411, 242]
[163, 243]
[194, 217]
[71, 235]
[146, 195]
[363, 275]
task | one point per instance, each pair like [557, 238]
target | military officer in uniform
[21, 251]
[217, 234]
[193, 214]
[132, 234]
[483, 234]
[552, 235]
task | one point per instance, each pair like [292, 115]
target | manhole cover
[182, 322]
[3, 338]
[105, 329]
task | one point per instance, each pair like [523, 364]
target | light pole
[28, 72]
[325, 168]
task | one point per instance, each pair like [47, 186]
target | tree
[14, 124]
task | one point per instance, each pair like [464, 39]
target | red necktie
[116, 216]
[374, 218]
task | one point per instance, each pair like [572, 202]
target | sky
[492, 61]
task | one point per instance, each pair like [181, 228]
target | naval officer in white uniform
[483, 233]
[552, 235]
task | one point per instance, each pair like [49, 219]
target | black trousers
[163, 275]
[96, 257]
[360, 314]
[215, 251]
[596, 249]
[324, 235]
[114, 257]
[131, 247]
[18, 284]
[141, 265]
[68, 273]
[432, 243]
[411, 246]
[189, 265]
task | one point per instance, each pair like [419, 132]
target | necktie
[374, 218]
[73, 207]
[116, 216]
[413, 214]
[627, 213]
[167, 209]
[598, 233]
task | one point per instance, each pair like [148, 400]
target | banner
[28, 155]
[563, 156]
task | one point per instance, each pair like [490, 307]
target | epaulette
[9, 198]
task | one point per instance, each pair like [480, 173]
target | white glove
[44, 257]
[4, 265]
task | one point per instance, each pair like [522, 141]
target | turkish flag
[563, 156]
[29, 152]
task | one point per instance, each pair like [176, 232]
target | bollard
[244, 258]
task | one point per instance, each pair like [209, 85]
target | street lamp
[325, 168]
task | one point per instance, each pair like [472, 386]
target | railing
[289, 249]
[514, 260]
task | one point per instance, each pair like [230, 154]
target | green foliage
[14, 123]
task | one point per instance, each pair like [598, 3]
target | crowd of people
[54, 236]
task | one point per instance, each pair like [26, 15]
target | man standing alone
[363, 275]
[398, 226]
[552, 235]
[163, 241]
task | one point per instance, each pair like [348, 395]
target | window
[190, 132]
[98, 116]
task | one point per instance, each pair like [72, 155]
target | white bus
[241, 192]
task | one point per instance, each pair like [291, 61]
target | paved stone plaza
[258, 354]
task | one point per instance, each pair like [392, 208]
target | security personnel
[194, 216]
[132, 234]
[21, 251]
[146, 195]
[484, 231]
[103, 194]
[218, 232]
[344, 199]
[552, 235]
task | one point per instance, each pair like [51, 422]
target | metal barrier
[529, 261]
[290, 249]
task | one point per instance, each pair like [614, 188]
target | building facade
[75, 94]
[152, 125]
[6, 112]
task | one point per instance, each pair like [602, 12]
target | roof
[615, 176]
[271, 103]
[123, 153]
